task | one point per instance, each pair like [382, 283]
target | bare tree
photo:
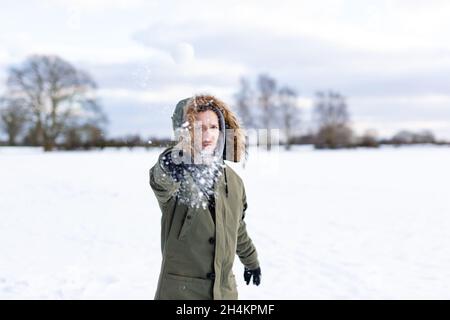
[331, 108]
[267, 101]
[369, 139]
[290, 113]
[56, 94]
[425, 136]
[244, 102]
[85, 136]
[333, 121]
[410, 137]
[13, 118]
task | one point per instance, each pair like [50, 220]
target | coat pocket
[230, 289]
[186, 288]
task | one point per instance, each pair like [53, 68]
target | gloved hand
[177, 159]
[256, 273]
[176, 170]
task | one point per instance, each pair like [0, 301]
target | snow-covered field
[350, 224]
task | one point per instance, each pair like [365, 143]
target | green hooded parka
[198, 252]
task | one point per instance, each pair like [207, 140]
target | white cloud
[383, 26]
[437, 100]
[170, 94]
[5, 58]
[101, 55]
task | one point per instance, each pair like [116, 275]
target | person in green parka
[203, 204]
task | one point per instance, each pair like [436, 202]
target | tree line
[267, 105]
[49, 102]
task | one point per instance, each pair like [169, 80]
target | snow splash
[198, 184]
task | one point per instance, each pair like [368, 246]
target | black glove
[256, 273]
[176, 170]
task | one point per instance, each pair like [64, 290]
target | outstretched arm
[165, 176]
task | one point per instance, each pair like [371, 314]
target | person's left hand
[256, 273]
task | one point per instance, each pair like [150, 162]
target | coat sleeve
[161, 181]
[245, 248]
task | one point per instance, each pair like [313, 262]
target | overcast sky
[391, 59]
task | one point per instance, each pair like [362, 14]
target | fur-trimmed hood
[235, 147]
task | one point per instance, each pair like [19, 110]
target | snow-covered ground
[350, 224]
